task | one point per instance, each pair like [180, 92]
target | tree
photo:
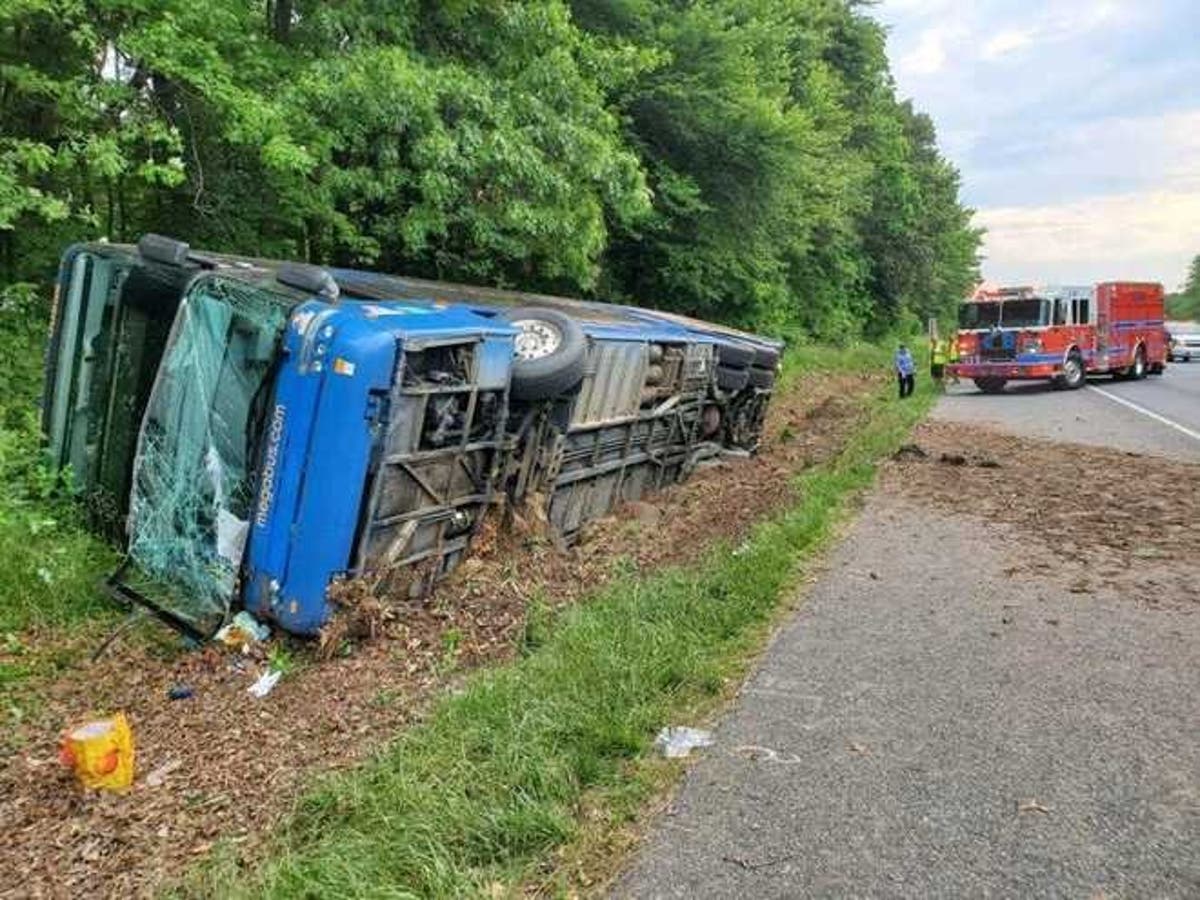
[1186, 303]
[744, 160]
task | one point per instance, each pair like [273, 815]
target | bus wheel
[550, 353]
[990, 385]
[1072, 377]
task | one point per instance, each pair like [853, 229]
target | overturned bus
[254, 432]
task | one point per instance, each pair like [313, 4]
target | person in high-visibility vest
[937, 359]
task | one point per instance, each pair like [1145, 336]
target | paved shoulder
[1096, 415]
[934, 722]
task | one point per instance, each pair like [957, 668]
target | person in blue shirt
[905, 371]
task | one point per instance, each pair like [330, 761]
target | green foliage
[51, 565]
[1186, 304]
[486, 793]
[744, 160]
[791, 187]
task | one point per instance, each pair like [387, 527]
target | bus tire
[766, 358]
[546, 372]
[734, 355]
[732, 380]
[762, 379]
[990, 385]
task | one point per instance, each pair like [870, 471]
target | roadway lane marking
[1170, 423]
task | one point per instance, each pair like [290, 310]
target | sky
[1075, 125]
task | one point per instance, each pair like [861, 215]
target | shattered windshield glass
[192, 492]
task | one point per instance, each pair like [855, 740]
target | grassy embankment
[50, 564]
[536, 774]
[538, 770]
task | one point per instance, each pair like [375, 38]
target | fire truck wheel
[1073, 376]
[550, 352]
[1138, 370]
[990, 385]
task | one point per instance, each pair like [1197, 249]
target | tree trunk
[283, 20]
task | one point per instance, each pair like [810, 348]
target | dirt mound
[222, 765]
[1112, 517]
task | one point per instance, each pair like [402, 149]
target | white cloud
[1073, 126]
[1006, 42]
[1055, 26]
[932, 50]
[1114, 154]
[1140, 235]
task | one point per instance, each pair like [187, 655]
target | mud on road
[222, 767]
[1108, 517]
[990, 691]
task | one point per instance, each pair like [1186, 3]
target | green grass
[490, 793]
[50, 563]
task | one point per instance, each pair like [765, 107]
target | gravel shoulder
[955, 710]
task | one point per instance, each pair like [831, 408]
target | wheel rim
[1139, 364]
[1071, 370]
[537, 339]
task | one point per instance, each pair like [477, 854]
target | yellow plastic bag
[101, 753]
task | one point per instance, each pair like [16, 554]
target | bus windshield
[192, 476]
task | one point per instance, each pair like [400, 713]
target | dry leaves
[223, 766]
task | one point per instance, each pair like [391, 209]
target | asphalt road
[930, 725]
[1092, 415]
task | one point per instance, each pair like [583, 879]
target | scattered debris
[100, 752]
[266, 683]
[335, 701]
[1148, 553]
[1033, 806]
[243, 631]
[180, 692]
[679, 741]
[1130, 533]
[953, 459]
[766, 754]
[762, 864]
[159, 775]
[909, 451]
[860, 749]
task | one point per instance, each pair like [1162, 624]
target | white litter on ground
[679, 741]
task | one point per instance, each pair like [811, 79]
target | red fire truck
[1060, 334]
